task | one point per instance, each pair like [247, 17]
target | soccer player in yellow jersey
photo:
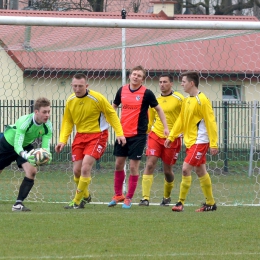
[90, 112]
[198, 125]
[170, 101]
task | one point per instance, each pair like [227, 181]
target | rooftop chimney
[166, 6]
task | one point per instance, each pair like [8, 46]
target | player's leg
[147, 179]
[27, 183]
[86, 149]
[184, 187]
[82, 191]
[25, 187]
[153, 151]
[132, 183]
[206, 186]
[169, 157]
[121, 153]
[168, 184]
[136, 147]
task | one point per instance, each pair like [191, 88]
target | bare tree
[61, 5]
[136, 5]
[216, 7]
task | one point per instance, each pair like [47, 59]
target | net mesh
[40, 61]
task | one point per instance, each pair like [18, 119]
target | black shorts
[133, 149]
[8, 154]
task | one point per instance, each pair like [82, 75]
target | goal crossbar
[124, 23]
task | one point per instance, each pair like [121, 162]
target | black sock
[25, 188]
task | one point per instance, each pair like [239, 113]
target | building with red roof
[40, 56]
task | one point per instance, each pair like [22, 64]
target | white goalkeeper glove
[29, 157]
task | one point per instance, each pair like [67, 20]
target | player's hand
[167, 143]
[50, 158]
[59, 147]
[213, 151]
[29, 157]
[31, 160]
[121, 140]
[166, 132]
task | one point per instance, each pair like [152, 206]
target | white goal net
[38, 57]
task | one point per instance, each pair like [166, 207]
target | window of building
[231, 93]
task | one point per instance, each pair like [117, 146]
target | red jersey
[135, 105]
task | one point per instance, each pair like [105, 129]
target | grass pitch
[154, 232]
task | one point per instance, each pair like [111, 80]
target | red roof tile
[67, 48]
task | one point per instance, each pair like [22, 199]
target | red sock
[118, 182]
[132, 184]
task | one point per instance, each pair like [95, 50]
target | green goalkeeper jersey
[26, 130]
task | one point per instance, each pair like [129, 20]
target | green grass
[54, 183]
[154, 232]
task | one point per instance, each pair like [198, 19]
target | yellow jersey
[197, 122]
[90, 114]
[171, 106]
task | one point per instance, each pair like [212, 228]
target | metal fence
[238, 127]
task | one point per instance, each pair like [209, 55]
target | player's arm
[66, 126]
[163, 119]
[117, 100]
[112, 119]
[151, 113]
[21, 125]
[211, 125]
[18, 141]
[46, 140]
[176, 130]
[153, 102]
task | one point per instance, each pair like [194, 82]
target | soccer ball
[41, 155]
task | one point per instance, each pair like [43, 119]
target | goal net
[41, 60]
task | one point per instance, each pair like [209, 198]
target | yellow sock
[82, 187]
[184, 189]
[76, 180]
[86, 192]
[168, 186]
[206, 186]
[147, 182]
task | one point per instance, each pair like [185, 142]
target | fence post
[253, 125]
[225, 136]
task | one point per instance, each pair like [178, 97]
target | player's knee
[76, 173]
[169, 176]
[150, 166]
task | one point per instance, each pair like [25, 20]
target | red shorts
[89, 144]
[196, 154]
[155, 147]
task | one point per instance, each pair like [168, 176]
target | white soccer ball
[41, 155]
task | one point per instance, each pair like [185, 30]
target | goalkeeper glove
[50, 158]
[29, 157]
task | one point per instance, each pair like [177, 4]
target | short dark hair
[80, 76]
[139, 67]
[192, 76]
[168, 75]
[41, 102]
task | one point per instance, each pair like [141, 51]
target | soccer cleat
[144, 203]
[165, 201]
[115, 200]
[72, 205]
[206, 207]
[84, 201]
[127, 203]
[178, 207]
[20, 207]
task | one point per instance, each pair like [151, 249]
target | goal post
[39, 56]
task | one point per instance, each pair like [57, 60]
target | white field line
[112, 256]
